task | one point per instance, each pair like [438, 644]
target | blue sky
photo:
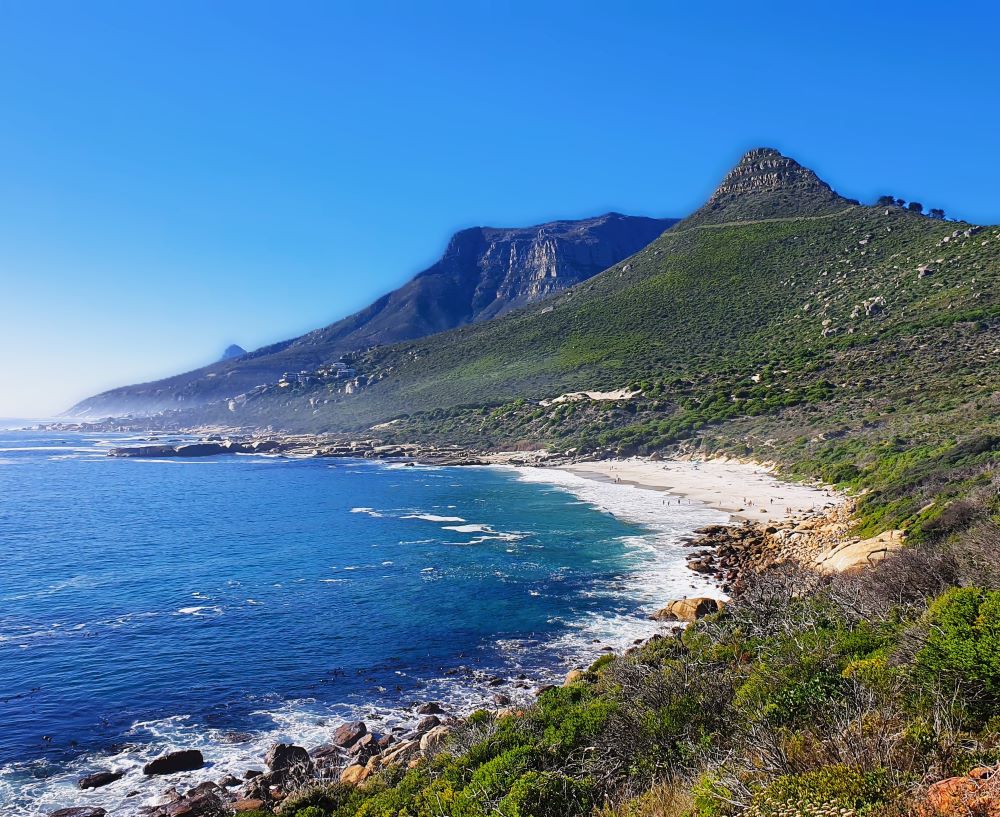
[175, 177]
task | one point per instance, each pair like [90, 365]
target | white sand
[745, 490]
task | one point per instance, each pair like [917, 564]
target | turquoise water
[228, 602]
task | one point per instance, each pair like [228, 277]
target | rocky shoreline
[729, 553]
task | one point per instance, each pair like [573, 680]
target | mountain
[484, 272]
[233, 351]
[767, 185]
[830, 336]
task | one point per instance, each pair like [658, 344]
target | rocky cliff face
[765, 185]
[484, 272]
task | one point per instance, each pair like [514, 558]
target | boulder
[80, 811]
[428, 723]
[284, 756]
[688, 610]
[433, 740]
[98, 779]
[366, 746]
[572, 677]
[430, 708]
[185, 760]
[857, 554]
[354, 774]
[247, 805]
[349, 734]
[400, 753]
[977, 794]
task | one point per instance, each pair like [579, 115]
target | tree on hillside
[915, 206]
[885, 201]
[900, 202]
[936, 212]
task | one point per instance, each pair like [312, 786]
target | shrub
[546, 794]
[818, 793]
[960, 634]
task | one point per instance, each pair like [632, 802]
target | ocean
[227, 603]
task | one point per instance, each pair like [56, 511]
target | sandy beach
[744, 490]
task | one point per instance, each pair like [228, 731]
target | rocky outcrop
[185, 760]
[854, 553]
[349, 734]
[767, 185]
[976, 794]
[688, 610]
[98, 779]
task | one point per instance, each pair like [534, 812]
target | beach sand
[745, 490]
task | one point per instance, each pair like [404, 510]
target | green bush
[813, 794]
[546, 794]
[961, 633]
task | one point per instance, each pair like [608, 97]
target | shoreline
[704, 491]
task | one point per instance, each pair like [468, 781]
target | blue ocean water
[228, 602]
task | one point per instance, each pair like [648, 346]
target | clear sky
[178, 176]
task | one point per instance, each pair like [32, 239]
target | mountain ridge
[483, 273]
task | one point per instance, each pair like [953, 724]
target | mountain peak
[233, 351]
[765, 185]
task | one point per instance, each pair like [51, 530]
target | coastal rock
[572, 677]
[80, 811]
[247, 805]
[977, 793]
[201, 450]
[400, 753]
[284, 756]
[349, 734]
[433, 740]
[98, 779]
[144, 451]
[430, 708]
[366, 747]
[856, 554]
[688, 610]
[428, 723]
[355, 774]
[185, 760]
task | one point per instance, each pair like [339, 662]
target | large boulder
[572, 677]
[975, 795]
[855, 554]
[354, 774]
[284, 756]
[185, 760]
[98, 779]
[247, 805]
[688, 610]
[432, 741]
[349, 734]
